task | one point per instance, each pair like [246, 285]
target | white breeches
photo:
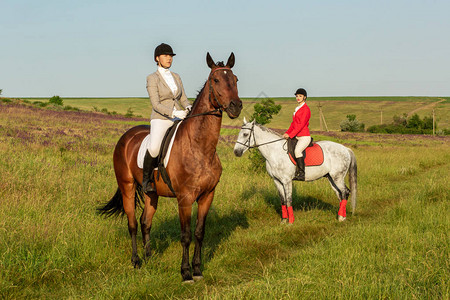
[158, 129]
[303, 142]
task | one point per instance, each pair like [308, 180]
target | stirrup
[147, 187]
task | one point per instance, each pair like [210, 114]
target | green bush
[444, 131]
[40, 103]
[129, 113]
[351, 124]
[405, 125]
[400, 121]
[264, 111]
[56, 100]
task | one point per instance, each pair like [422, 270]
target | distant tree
[264, 112]
[56, 100]
[1, 91]
[351, 124]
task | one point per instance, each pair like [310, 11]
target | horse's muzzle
[234, 109]
[238, 152]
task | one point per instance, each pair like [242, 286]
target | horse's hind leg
[151, 204]
[342, 191]
[128, 191]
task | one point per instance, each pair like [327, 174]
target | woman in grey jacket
[169, 103]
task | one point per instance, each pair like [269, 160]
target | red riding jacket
[300, 122]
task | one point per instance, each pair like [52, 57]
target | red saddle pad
[313, 157]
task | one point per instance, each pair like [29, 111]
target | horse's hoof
[341, 218]
[188, 281]
[284, 221]
[147, 255]
[198, 277]
[137, 263]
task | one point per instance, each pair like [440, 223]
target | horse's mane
[219, 64]
[198, 95]
[263, 128]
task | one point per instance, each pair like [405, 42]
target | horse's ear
[210, 61]
[245, 121]
[230, 62]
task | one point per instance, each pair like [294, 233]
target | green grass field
[56, 168]
[369, 110]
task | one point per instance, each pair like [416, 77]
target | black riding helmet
[301, 91]
[163, 49]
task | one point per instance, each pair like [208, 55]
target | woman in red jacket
[299, 129]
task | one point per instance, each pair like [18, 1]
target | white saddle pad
[146, 144]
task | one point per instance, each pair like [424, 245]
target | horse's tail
[353, 173]
[114, 207]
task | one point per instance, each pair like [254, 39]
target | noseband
[252, 132]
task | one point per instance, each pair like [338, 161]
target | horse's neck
[203, 130]
[262, 137]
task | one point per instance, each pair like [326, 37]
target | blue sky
[102, 48]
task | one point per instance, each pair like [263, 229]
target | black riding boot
[300, 170]
[148, 178]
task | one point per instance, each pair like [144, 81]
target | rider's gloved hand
[189, 108]
[180, 114]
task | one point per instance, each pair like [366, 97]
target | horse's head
[246, 138]
[223, 87]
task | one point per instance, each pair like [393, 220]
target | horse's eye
[216, 80]
[237, 79]
[245, 134]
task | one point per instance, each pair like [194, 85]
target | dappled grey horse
[338, 161]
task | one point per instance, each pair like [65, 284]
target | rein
[252, 131]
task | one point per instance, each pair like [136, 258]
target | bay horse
[194, 167]
[338, 160]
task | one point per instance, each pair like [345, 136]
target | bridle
[252, 132]
[220, 107]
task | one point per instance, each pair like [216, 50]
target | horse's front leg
[282, 194]
[151, 204]
[184, 211]
[204, 203]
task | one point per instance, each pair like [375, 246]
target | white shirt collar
[298, 107]
[168, 78]
[163, 71]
